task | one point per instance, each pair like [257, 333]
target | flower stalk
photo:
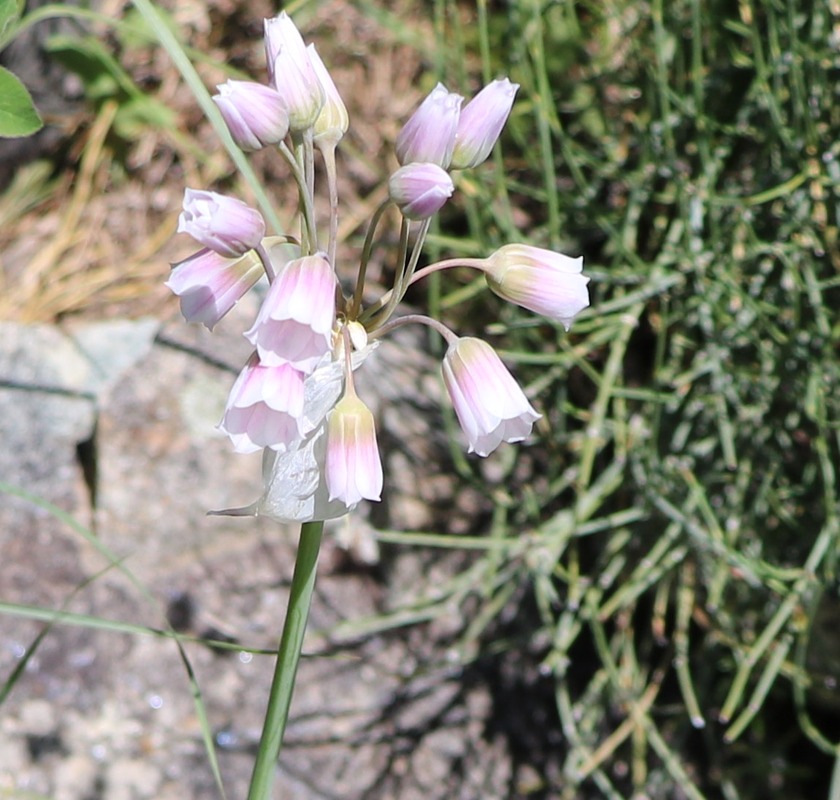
[288, 659]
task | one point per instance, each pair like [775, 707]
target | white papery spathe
[294, 481]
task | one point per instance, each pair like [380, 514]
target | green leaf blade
[18, 116]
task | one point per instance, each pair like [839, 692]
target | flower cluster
[295, 398]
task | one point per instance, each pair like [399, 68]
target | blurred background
[639, 602]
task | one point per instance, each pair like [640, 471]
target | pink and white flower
[223, 224]
[264, 407]
[429, 134]
[209, 285]
[294, 325]
[487, 399]
[420, 190]
[353, 468]
[481, 123]
[542, 281]
[255, 114]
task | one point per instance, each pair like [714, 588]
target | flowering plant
[295, 398]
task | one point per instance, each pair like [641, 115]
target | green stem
[288, 657]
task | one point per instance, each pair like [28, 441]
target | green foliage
[104, 78]
[18, 116]
[680, 510]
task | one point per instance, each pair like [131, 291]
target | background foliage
[677, 535]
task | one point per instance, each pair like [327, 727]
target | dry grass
[97, 237]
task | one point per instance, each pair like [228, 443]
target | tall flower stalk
[295, 399]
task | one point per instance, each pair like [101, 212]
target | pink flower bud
[481, 122]
[332, 122]
[264, 407]
[542, 281]
[353, 467]
[295, 322]
[420, 190]
[224, 224]
[255, 114]
[488, 401]
[429, 135]
[209, 285]
[292, 73]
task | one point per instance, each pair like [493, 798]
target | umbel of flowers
[295, 398]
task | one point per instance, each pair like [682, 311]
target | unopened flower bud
[429, 135]
[420, 190]
[487, 399]
[292, 73]
[542, 281]
[255, 114]
[209, 285]
[333, 121]
[481, 122]
[353, 467]
[224, 224]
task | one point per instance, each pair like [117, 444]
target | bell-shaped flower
[420, 190]
[429, 135]
[353, 468]
[481, 123]
[292, 73]
[223, 224]
[332, 121]
[295, 322]
[542, 281]
[487, 399]
[264, 407]
[209, 285]
[255, 114]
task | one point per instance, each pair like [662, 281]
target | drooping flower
[209, 285]
[542, 281]
[481, 123]
[353, 468]
[429, 134]
[420, 190]
[223, 224]
[292, 73]
[487, 399]
[332, 121]
[264, 407]
[255, 114]
[296, 319]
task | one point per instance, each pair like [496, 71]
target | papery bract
[296, 319]
[295, 487]
[488, 401]
[264, 407]
[353, 467]
[420, 190]
[481, 123]
[209, 285]
[332, 121]
[429, 134]
[542, 281]
[255, 114]
[224, 224]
